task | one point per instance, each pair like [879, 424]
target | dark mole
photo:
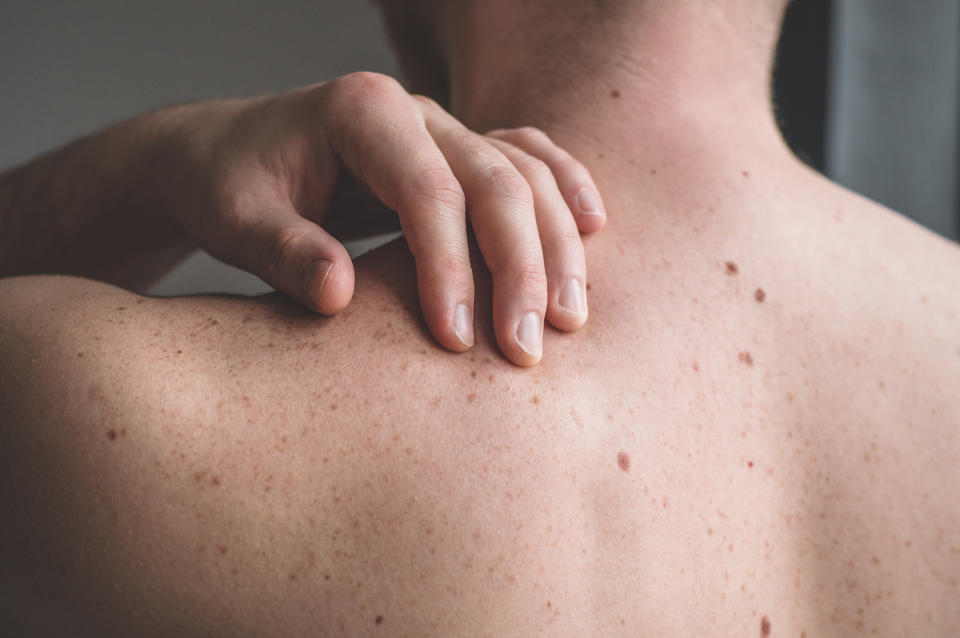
[623, 460]
[732, 268]
[764, 626]
[615, 93]
[745, 358]
[179, 351]
[121, 307]
[378, 620]
[112, 435]
[759, 295]
[473, 374]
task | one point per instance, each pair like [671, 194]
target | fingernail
[463, 325]
[530, 334]
[323, 268]
[572, 298]
[589, 202]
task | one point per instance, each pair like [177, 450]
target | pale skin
[699, 459]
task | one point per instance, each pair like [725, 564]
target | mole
[745, 358]
[623, 460]
[745, 173]
[615, 93]
[759, 295]
[112, 435]
[473, 374]
[732, 268]
[378, 620]
[764, 626]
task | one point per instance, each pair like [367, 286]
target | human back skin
[756, 432]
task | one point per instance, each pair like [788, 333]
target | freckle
[326, 576]
[535, 400]
[615, 93]
[709, 531]
[731, 548]
[653, 171]
[696, 367]
[745, 173]
[600, 155]
[764, 626]
[473, 374]
[378, 620]
[223, 549]
[623, 460]
[588, 285]
[121, 307]
[215, 480]
[732, 268]
[247, 319]
[333, 406]
[79, 355]
[293, 576]
[746, 358]
[112, 435]
[548, 604]
[759, 295]
[471, 397]
[790, 397]
[138, 301]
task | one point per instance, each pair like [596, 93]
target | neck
[663, 78]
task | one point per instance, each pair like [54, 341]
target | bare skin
[700, 459]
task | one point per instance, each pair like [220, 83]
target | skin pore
[754, 434]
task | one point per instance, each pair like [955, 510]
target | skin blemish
[615, 93]
[121, 307]
[745, 358]
[112, 435]
[732, 268]
[764, 626]
[759, 295]
[471, 397]
[215, 481]
[333, 406]
[750, 464]
[535, 400]
[623, 460]
[378, 620]
[473, 374]
[79, 355]
[223, 550]
[696, 367]
[745, 173]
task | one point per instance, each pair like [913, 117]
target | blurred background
[867, 91]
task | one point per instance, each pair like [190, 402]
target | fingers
[293, 255]
[503, 219]
[381, 137]
[562, 249]
[572, 177]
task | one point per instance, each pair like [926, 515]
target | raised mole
[732, 268]
[759, 295]
[623, 460]
[764, 626]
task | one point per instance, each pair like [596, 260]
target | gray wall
[893, 110]
[68, 68]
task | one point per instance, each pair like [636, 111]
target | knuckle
[506, 181]
[435, 184]
[534, 166]
[366, 83]
[282, 248]
[528, 273]
[426, 102]
[530, 136]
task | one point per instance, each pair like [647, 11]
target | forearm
[97, 207]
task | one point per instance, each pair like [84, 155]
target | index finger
[380, 135]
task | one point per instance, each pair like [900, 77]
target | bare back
[756, 433]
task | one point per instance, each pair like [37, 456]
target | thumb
[296, 257]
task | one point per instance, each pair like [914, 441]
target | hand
[265, 170]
